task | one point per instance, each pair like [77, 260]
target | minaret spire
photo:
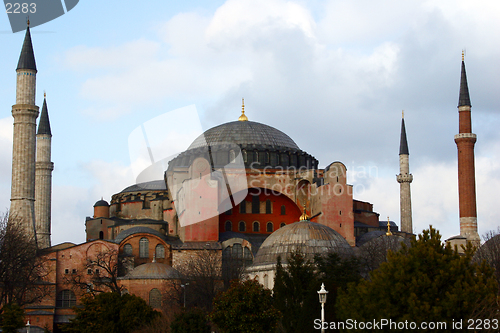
[25, 112]
[43, 178]
[404, 179]
[465, 141]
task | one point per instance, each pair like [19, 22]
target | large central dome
[245, 133]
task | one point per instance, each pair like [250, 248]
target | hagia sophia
[242, 191]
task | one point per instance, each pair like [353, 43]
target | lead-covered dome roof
[153, 270]
[308, 237]
[245, 133]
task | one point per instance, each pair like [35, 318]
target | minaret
[465, 141]
[404, 179]
[25, 112]
[43, 178]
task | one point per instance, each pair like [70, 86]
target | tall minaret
[43, 178]
[25, 112]
[404, 179]
[465, 141]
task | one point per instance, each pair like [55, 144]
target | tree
[203, 273]
[425, 282]
[295, 293]
[245, 307]
[190, 321]
[22, 267]
[110, 313]
[12, 318]
[104, 278]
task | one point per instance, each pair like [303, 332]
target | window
[146, 203]
[283, 210]
[127, 249]
[73, 271]
[282, 224]
[229, 211]
[255, 204]
[89, 271]
[144, 248]
[232, 157]
[160, 251]
[65, 299]
[268, 206]
[256, 227]
[241, 226]
[243, 207]
[155, 298]
[97, 271]
[269, 227]
[229, 226]
[237, 251]
[266, 281]
[101, 235]
[66, 271]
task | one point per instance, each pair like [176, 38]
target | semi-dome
[245, 133]
[308, 237]
[153, 270]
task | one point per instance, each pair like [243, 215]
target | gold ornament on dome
[388, 233]
[243, 117]
[304, 216]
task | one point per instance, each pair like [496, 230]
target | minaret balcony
[465, 137]
[405, 178]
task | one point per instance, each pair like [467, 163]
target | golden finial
[403, 114]
[243, 117]
[304, 215]
[463, 54]
[28, 21]
[44, 94]
[388, 233]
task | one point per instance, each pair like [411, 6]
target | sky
[333, 75]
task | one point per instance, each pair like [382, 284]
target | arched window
[65, 299]
[268, 207]
[101, 235]
[255, 204]
[237, 251]
[283, 210]
[256, 227]
[282, 224]
[127, 249]
[243, 207]
[241, 226]
[155, 298]
[144, 248]
[229, 226]
[247, 256]
[269, 227]
[160, 251]
[266, 281]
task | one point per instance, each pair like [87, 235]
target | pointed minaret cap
[44, 124]
[243, 117]
[464, 99]
[27, 57]
[403, 144]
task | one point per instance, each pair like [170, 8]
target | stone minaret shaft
[43, 179]
[465, 141]
[25, 112]
[404, 179]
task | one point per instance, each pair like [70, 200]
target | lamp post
[183, 286]
[322, 299]
[28, 327]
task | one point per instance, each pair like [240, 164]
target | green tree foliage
[12, 318]
[191, 321]
[425, 282]
[111, 313]
[245, 307]
[295, 293]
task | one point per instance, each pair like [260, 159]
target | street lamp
[28, 326]
[322, 299]
[183, 286]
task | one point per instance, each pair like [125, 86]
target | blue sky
[333, 75]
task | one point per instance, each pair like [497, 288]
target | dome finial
[243, 117]
[304, 216]
[463, 54]
[388, 233]
[403, 114]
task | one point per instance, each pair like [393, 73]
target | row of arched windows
[255, 226]
[144, 249]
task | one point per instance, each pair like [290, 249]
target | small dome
[153, 270]
[101, 203]
[308, 237]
